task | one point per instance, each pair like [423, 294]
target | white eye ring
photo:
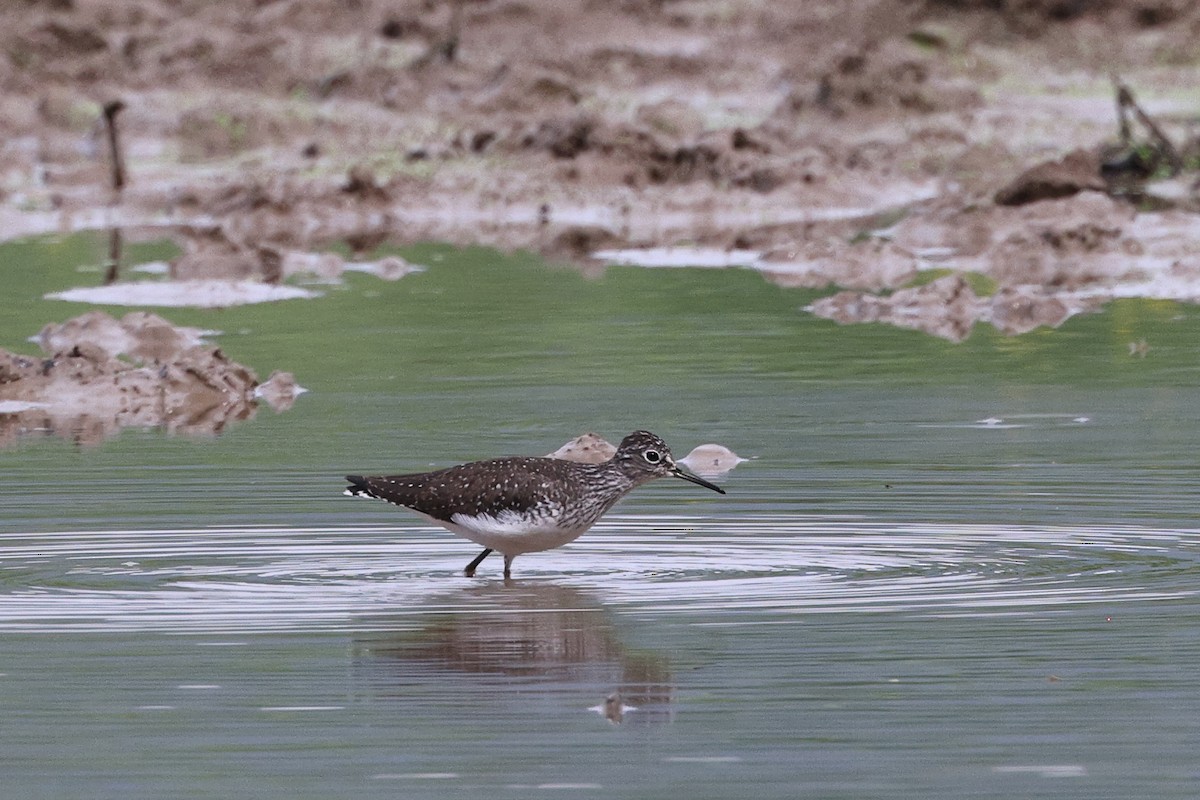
[653, 456]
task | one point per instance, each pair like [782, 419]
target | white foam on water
[183, 294]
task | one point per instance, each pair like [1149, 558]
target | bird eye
[653, 456]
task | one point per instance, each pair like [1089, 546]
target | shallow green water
[894, 599]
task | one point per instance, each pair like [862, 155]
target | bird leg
[507, 566]
[469, 571]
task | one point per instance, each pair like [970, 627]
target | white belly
[510, 533]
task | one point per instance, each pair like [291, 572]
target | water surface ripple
[725, 570]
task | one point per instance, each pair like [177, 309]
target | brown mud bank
[100, 374]
[851, 145]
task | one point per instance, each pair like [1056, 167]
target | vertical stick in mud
[116, 160]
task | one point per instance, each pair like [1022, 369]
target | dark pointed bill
[690, 478]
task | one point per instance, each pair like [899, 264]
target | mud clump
[139, 335]
[882, 78]
[83, 390]
[947, 308]
[1077, 171]
[711, 460]
[580, 242]
[657, 153]
[209, 254]
[586, 448]
[867, 265]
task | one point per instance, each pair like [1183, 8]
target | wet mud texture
[852, 144]
[100, 374]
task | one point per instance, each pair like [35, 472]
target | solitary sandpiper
[523, 505]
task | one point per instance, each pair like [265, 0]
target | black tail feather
[358, 486]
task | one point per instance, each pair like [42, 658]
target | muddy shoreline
[850, 145]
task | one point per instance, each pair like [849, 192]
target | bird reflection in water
[554, 640]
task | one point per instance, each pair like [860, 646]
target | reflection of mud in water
[948, 308]
[84, 392]
[553, 640]
[216, 270]
[212, 253]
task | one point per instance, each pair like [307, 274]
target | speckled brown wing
[481, 487]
